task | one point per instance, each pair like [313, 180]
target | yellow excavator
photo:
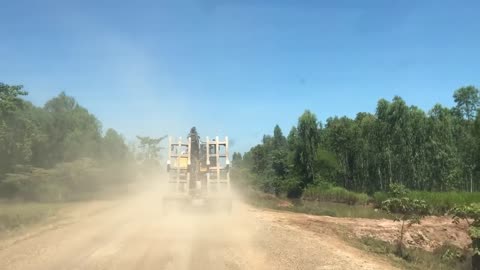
[198, 174]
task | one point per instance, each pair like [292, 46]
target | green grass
[444, 201]
[338, 210]
[335, 194]
[439, 202]
[446, 257]
[15, 215]
[321, 208]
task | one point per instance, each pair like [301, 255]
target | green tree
[259, 159]
[72, 131]
[279, 141]
[366, 159]
[341, 134]
[150, 148]
[468, 101]
[279, 154]
[292, 139]
[236, 159]
[471, 215]
[441, 150]
[476, 148]
[406, 211]
[17, 132]
[10, 98]
[307, 145]
[114, 147]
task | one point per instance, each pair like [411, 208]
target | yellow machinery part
[182, 162]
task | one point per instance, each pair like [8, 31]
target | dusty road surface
[133, 234]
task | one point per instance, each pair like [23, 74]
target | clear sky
[237, 68]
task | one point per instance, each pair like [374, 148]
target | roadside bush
[445, 257]
[471, 215]
[442, 202]
[379, 197]
[335, 194]
[14, 215]
[397, 190]
[67, 181]
[242, 178]
[450, 254]
[363, 198]
[439, 202]
[260, 199]
[408, 212]
[313, 210]
[292, 188]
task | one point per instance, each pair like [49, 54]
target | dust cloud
[144, 237]
[197, 237]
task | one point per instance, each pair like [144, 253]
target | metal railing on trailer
[218, 175]
[178, 161]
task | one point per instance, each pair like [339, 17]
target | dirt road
[132, 234]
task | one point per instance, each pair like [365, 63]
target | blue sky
[237, 68]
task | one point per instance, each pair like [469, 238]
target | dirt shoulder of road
[61, 215]
[23, 220]
[431, 233]
[329, 237]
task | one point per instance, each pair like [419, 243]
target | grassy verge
[321, 208]
[335, 194]
[338, 210]
[14, 215]
[439, 202]
[446, 257]
[73, 181]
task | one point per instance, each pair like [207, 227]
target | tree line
[58, 152]
[60, 131]
[438, 150]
